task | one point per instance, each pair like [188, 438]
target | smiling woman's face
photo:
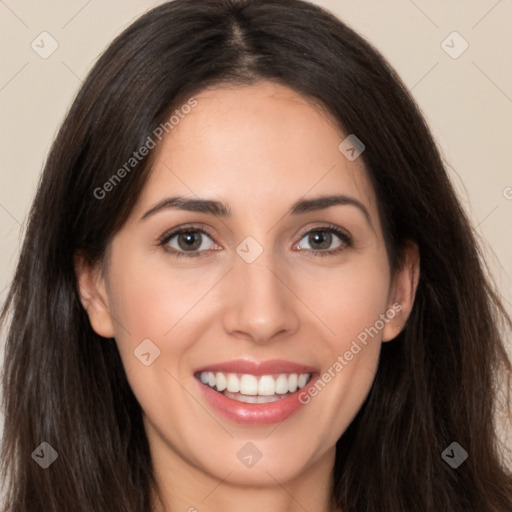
[276, 285]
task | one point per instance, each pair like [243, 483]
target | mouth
[255, 393]
[254, 389]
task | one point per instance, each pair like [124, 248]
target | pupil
[191, 241]
[321, 238]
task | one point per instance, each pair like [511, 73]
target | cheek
[350, 303]
[151, 299]
[168, 307]
[150, 309]
[352, 309]
[350, 299]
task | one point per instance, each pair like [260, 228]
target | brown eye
[186, 240]
[189, 241]
[320, 241]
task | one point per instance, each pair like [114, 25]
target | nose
[261, 307]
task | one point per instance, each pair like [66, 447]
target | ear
[93, 296]
[403, 290]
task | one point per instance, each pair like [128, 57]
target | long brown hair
[437, 382]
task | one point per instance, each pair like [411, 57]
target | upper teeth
[248, 384]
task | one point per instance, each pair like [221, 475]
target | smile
[255, 389]
[255, 393]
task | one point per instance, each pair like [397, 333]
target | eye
[193, 241]
[187, 241]
[320, 240]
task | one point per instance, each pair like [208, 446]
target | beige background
[467, 101]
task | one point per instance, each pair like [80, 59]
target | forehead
[255, 146]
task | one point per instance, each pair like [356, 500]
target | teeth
[248, 385]
[250, 399]
[253, 386]
[233, 383]
[302, 380]
[282, 384]
[267, 386]
[220, 381]
[293, 380]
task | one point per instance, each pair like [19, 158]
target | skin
[257, 148]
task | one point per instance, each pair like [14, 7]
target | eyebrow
[220, 209]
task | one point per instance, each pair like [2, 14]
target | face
[258, 315]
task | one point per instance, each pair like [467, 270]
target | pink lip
[256, 414]
[258, 368]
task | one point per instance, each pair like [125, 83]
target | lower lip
[256, 414]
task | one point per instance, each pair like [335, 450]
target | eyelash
[342, 235]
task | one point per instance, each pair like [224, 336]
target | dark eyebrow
[191, 205]
[322, 202]
[220, 209]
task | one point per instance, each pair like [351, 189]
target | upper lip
[272, 366]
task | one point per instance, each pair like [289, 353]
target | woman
[247, 283]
